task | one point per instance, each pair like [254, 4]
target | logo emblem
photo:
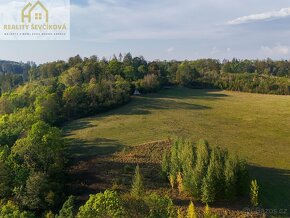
[34, 12]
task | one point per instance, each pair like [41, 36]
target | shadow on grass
[274, 187]
[186, 93]
[100, 174]
[81, 150]
[143, 105]
[79, 124]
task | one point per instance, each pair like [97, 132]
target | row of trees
[272, 76]
[245, 82]
[206, 174]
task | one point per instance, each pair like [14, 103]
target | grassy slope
[255, 126]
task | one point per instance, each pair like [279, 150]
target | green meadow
[255, 126]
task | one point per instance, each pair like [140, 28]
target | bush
[160, 207]
[107, 204]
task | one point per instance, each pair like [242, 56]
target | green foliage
[137, 189]
[179, 213]
[107, 204]
[208, 213]
[12, 126]
[42, 149]
[165, 164]
[149, 83]
[254, 194]
[35, 191]
[49, 214]
[209, 187]
[160, 207]
[204, 173]
[67, 210]
[34, 165]
[5, 178]
[186, 74]
[48, 108]
[200, 169]
[11, 210]
[231, 177]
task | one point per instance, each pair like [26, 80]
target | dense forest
[37, 99]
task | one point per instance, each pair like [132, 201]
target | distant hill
[13, 67]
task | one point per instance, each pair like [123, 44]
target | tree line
[261, 76]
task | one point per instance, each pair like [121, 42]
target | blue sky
[167, 29]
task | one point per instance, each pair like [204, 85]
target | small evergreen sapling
[191, 212]
[179, 181]
[137, 186]
[254, 193]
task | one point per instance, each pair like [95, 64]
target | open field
[257, 127]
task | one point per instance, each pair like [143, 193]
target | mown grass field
[257, 127]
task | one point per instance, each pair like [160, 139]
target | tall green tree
[137, 189]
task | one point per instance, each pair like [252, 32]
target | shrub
[160, 207]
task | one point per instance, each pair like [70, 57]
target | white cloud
[171, 49]
[276, 50]
[214, 50]
[284, 12]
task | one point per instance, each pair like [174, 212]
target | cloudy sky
[167, 29]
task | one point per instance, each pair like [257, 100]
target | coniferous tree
[191, 212]
[179, 181]
[137, 186]
[165, 164]
[254, 193]
[179, 213]
[202, 161]
[230, 178]
[208, 188]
